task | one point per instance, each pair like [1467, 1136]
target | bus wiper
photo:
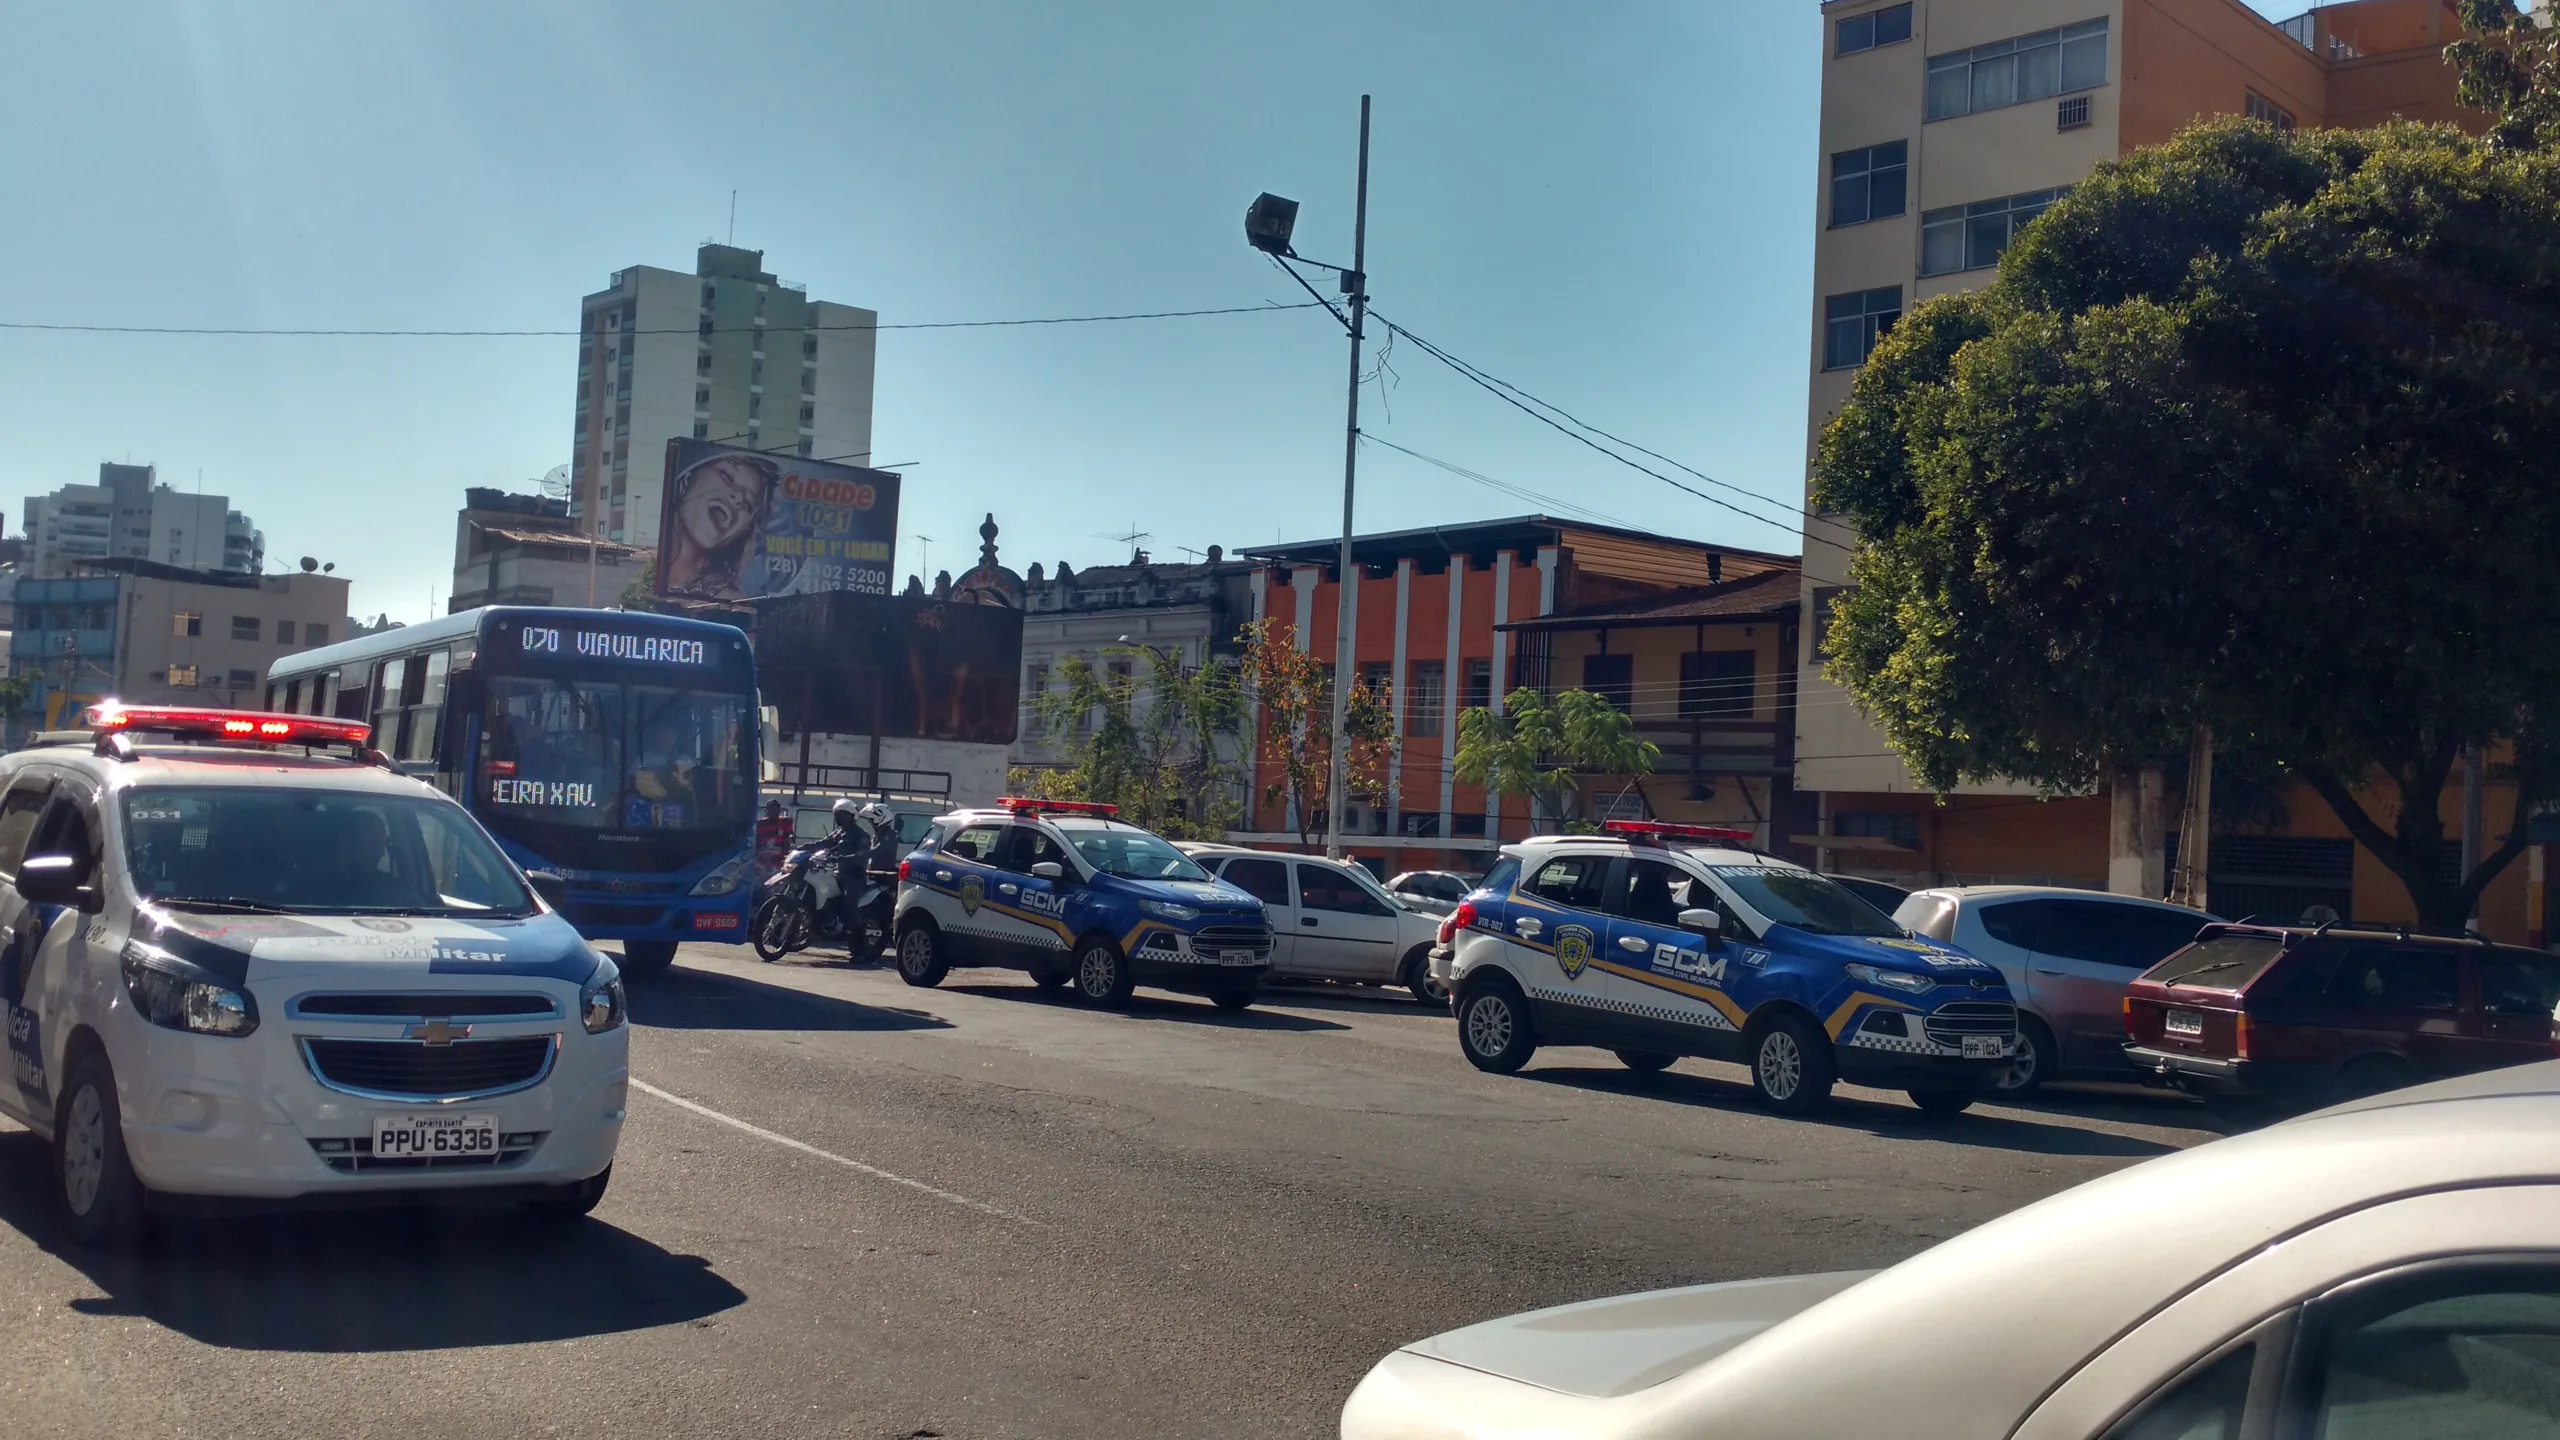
[220, 904]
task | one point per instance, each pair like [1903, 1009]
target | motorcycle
[798, 906]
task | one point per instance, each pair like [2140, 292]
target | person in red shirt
[773, 837]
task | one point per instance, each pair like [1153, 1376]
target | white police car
[233, 965]
[1076, 897]
[1658, 940]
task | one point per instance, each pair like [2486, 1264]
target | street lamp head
[1268, 223]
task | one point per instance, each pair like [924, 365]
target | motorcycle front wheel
[778, 928]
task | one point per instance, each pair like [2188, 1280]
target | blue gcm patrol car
[1064, 890]
[1657, 940]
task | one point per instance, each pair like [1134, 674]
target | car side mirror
[56, 880]
[1049, 870]
[1704, 921]
[551, 885]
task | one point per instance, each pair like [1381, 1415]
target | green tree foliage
[2510, 69]
[1541, 749]
[1293, 691]
[2252, 430]
[1159, 744]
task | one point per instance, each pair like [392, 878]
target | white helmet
[845, 814]
[875, 817]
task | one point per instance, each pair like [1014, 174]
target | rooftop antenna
[1129, 537]
[926, 560]
[1194, 554]
[733, 217]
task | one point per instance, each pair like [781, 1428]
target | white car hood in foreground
[1526, 1374]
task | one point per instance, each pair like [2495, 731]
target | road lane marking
[874, 1171]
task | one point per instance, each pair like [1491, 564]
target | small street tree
[2511, 69]
[1294, 692]
[1157, 745]
[1541, 749]
[2254, 431]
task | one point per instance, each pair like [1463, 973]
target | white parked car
[2386, 1268]
[236, 966]
[1332, 920]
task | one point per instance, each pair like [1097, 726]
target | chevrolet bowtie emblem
[439, 1032]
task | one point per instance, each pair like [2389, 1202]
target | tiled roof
[1771, 596]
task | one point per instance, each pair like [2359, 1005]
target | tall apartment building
[126, 514]
[1947, 125]
[727, 353]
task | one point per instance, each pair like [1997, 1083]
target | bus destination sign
[616, 645]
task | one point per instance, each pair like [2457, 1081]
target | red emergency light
[1668, 830]
[1025, 805]
[256, 725]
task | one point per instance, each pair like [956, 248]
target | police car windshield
[321, 852]
[1805, 900]
[1133, 855]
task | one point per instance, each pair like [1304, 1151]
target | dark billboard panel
[918, 667]
[743, 525]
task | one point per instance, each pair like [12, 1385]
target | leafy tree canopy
[2252, 430]
[1540, 748]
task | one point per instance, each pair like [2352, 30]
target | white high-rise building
[128, 515]
[727, 353]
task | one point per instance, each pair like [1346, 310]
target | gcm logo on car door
[1007, 914]
[1623, 964]
[43, 948]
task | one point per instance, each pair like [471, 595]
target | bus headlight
[171, 993]
[727, 878]
[600, 1004]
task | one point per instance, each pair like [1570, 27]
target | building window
[1900, 827]
[1853, 323]
[284, 632]
[1889, 26]
[808, 413]
[1375, 679]
[809, 347]
[755, 406]
[2013, 72]
[1428, 695]
[244, 680]
[1974, 237]
[1035, 681]
[315, 634]
[806, 449]
[2259, 107]
[701, 397]
[184, 623]
[701, 364]
[1869, 184]
[182, 676]
[1479, 692]
[1718, 682]
[701, 430]
[2072, 114]
[1825, 598]
[1612, 678]
[244, 627]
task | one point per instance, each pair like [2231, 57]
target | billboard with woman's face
[742, 524]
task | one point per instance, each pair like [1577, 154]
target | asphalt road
[848, 1207]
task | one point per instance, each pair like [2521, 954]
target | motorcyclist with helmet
[864, 841]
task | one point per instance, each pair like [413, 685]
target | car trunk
[2193, 1003]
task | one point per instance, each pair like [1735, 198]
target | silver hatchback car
[2387, 1268]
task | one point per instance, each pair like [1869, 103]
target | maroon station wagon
[2305, 1016]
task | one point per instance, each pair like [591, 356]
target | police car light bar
[1667, 830]
[254, 725]
[1024, 805]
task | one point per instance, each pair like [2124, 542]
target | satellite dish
[332, 565]
[309, 564]
[555, 482]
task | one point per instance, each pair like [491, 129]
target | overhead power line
[690, 330]
[1520, 492]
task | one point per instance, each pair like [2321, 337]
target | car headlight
[600, 1004]
[1902, 980]
[176, 995]
[1167, 910]
[727, 878]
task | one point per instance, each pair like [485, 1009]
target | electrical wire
[1518, 492]
[690, 330]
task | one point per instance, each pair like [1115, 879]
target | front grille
[354, 1156]
[414, 1070]
[585, 913]
[1256, 938]
[424, 1006]
[1949, 1024]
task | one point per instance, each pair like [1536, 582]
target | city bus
[615, 749]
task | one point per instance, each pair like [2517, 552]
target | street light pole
[1346, 611]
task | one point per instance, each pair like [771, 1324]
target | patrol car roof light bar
[116, 724]
[1026, 805]
[1671, 830]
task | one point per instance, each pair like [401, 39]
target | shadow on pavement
[682, 999]
[1157, 1005]
[1350, 999]
[369, 1280]
[1988, 1131]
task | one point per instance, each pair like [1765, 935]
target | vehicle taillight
[2129, 1032]
[2240, 1029]
[903, 867]
[1459, 919]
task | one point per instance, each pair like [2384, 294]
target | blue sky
[1609, 205]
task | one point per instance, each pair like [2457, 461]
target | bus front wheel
[647, 957]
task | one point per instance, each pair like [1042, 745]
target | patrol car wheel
[1494, 1027]
[647, 957]
[567, 1203]
[1791, 1066]
[1235, 997]
[1646, 1060]
[1102, 974]
[920, 960]
[93, 1174]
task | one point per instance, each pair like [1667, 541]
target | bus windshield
[599, 755]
